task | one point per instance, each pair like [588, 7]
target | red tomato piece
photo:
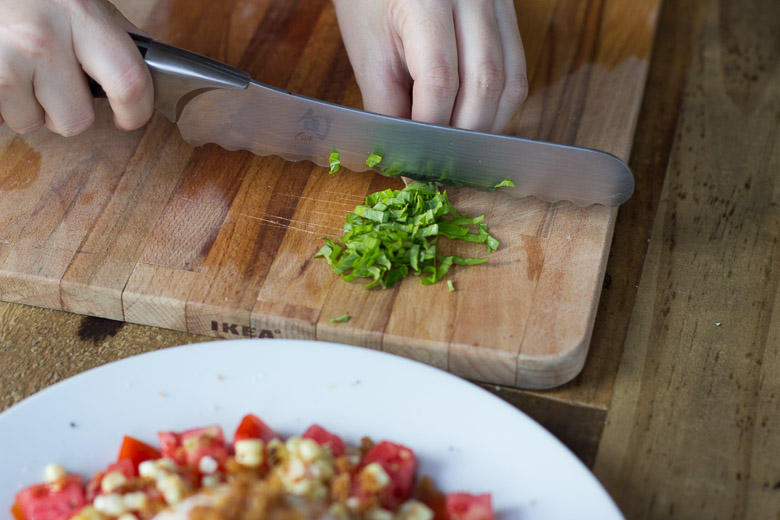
[16, 512]
[137, 452]
[204, 442]
[252, 427]
[400, 464]
[52, 501]
[324, 438]
[171, 447]
[464, 506]
[188, 447]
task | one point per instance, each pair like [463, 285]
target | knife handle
[180, 75]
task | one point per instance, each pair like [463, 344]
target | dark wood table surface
[677, 410]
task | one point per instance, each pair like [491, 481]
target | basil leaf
[506, 183]
[395, 233]
[373, 160]
[335, 161]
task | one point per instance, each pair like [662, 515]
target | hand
[448, 62]
[45, 48]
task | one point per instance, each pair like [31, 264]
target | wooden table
[677, 410]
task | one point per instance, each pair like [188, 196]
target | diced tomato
[464, 506]
[187, 448]
[137, 451]
[324, 438]
[171, 447]
[400, 464]
[52, 501]
[252, 427]
[16, 512]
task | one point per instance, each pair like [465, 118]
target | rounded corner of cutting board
[552, 370]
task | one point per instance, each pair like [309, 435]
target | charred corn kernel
[249, 452]
[208, 465]
[379, 514]
[53, 472]
[374, 476]
[414, 510]
[277, 452]
[110, 504]
[88, 513]
[112, 480]
[135, 501]
[172, 488]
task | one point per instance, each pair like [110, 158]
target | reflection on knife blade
[214, 103]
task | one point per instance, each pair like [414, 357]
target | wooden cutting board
[143, 227]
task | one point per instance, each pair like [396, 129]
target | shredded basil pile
[395, 233]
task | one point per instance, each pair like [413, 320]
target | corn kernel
[136, 501]
[111, 504]
[88, 513]
[249, 452]
[53, 472]
[414, 510]
[208, 465]
[378, 477]
[111, 481]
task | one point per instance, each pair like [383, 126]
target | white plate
[466, 438]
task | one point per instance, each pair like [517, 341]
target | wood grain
[694, 422]
[142, 227]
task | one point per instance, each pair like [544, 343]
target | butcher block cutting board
[142, 227]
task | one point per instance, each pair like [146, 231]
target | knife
[212, 102]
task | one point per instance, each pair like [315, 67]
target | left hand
[447, 62]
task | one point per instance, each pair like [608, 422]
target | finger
[380, 73]
[19, 109]
[516, 78]
[481, 65]
[431, 56]
[64, 96]
[385, 91]
[109, 56]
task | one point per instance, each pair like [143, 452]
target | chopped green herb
[450, 286]
[373, 160]
[341, 319]
[335, 161]
[394, 234]
[506, 183]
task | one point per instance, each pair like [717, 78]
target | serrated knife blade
[214, 103]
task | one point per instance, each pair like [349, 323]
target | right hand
[46, 46]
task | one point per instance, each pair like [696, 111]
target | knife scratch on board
[290, 222]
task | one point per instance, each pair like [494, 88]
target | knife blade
[212, 102]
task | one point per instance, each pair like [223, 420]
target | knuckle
[487, 80]
[132, 84]
[441, 79]
[516, 90]
[34, 40]
[9, 77]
